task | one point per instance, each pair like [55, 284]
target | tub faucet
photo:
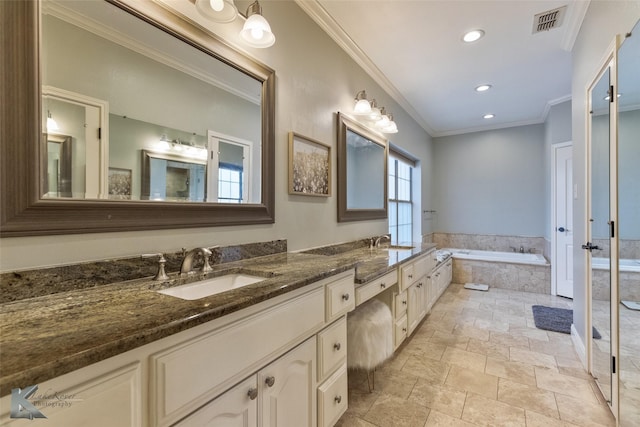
[189, 257]
[521, 249]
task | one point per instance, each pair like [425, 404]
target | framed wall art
[309, 166]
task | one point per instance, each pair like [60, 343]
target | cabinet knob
[404, 329]
[338, 399]
[383, 285]
[345, 297]
[270, 381]
[337, 346]
[253, 393]
[410, 276]
[404, 302]
[420, 284]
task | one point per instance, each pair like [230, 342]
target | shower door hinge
[613, 364]
[613, 229]
[611, 94]
[99, 133]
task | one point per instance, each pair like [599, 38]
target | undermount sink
[208, 287]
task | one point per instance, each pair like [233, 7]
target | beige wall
[315, 79]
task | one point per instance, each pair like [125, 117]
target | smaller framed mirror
[362, 172]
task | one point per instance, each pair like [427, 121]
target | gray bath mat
[631, 305]
[556, 319]
[476, 286]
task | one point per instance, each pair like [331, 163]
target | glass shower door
[599, 236]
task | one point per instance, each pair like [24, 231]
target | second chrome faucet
[191, 256]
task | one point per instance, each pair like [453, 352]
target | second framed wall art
[309, 166]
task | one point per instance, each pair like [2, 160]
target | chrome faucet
[189, 257]
[377, 242]
[521, 249]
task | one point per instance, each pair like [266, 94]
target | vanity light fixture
[384, 119]
[391, 127]
[606, 98]
[375, 114]
[52, 125]
[483, 88]
[256, 31]
[222, 11]
[363, 106]
[472, 36]
[488, 116]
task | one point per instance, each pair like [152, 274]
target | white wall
[491, 182]
[604, 19]
[557, 129]
[315, 79]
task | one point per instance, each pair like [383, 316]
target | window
[400, 199]
[229, 183]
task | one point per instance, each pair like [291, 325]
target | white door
[563, 221]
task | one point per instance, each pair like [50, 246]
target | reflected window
[229, 183]
[400, 175]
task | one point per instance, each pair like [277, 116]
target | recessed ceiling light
[472, 35]
[483, 88]
[488, 116]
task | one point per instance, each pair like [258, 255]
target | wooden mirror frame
[23, 211]
[345, 214]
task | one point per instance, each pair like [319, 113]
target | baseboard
[579, 346]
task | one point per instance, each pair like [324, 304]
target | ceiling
[414, 51]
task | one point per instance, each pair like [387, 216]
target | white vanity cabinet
[255, 367]
[438, 281]
[417, 303]
[413, 281]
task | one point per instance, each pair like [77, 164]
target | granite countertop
[50, 335]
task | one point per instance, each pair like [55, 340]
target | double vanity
[267, 353]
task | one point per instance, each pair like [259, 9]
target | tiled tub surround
[490, 242]
[629, 270]
[504, 275]
[51, 334]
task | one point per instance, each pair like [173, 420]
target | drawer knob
[270, 381]
[404, 329]
[383, 285]
[338, 399]
[253, 393]
[345, 297]
[404, 302]
[337, 346]
[410, 276]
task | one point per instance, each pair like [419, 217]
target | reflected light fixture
[52, 125]
[363, 106]
[222, 11]
[606, 98]
[256, 31]
[472, 36]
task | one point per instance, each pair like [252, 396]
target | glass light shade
[383, 122]
[390, 128]
[362, 107]
[52, 125]
[256, 32]
[209, 9]
[375, 114]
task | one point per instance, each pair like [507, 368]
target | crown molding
[320, 16]
[574, 23]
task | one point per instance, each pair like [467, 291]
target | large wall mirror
[123, 110]
[362, 172]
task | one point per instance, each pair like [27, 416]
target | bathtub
[494, 256]
[631, 265]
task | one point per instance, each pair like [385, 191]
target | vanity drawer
[407, 274]
[374, 287]
[400, 301]
[333, 398]
[426, 263]
[332, 348]
[401, 326]
[340, 298]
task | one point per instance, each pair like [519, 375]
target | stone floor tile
[527, 397]
[468, 330]
[482, 411]
[393, 411]
[438, 419]
[514, 371]
[565, 384]
[538, 420]
[449, 339]
[464, 359]
[473, 381]
[348, 420]
[439, 398]
[534, 358]
[575, 410]
[488, 348]
[509, 340]
[433, 371]
[394, 383]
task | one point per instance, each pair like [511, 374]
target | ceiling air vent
[548, 20]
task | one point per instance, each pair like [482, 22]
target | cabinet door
[288, 389]
[413, 307]
[237, 407]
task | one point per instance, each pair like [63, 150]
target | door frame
[554, 225]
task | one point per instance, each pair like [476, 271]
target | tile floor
[478, 360]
